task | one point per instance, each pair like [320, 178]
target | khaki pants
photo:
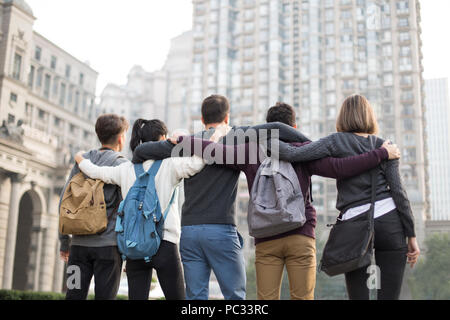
[298, 254]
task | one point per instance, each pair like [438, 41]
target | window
[81, 80]
[68, 70]
[41, 114]
[77, 101]
[62, 94]
[404, 22]
[17, 66]
[13, 97]
[47, 82]
[388, 79]
[402, 7]
[31, 77]
[405, 51]
[37, 53]
[39, 77]
[55, 86]
[53, 63]
[404, 36]
[11, 118]
[70, 96]
[57, 122]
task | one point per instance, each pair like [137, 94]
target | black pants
[167, 263]
[104, 263]
[390, 257]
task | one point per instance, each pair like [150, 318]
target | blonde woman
[395, 238]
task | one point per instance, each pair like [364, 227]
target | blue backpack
[140, 222]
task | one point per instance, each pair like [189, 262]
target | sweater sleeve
[284, 132]
[343, 168]
[186, 167]
[322, 148]
[109, 175]
[392, 173]
[153, 151]
[235, 157]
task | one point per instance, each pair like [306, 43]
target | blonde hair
[357, 116]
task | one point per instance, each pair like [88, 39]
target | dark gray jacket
[357, 190]
[113, 197]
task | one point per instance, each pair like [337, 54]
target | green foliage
[431, 277]
[29, 295]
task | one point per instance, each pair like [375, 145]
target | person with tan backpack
[88, 212]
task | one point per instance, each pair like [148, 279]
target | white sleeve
[186, 167]
[109, 175]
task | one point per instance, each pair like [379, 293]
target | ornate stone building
[47, 112]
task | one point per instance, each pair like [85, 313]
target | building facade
[312, 55]
[437, 101]
[161, 94]
[47, 112]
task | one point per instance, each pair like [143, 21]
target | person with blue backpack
[148, 224]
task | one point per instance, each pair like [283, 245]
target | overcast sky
[115, 35]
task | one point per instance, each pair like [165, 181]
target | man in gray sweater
[97, 255]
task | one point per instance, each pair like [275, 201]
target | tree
[431, 278]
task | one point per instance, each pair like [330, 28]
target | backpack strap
[139, 170]
[172, 199]
[153, 171]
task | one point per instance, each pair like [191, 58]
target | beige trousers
[298, 254]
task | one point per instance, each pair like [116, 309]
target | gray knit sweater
[357, 190]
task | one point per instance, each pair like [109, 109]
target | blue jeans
[213, 247]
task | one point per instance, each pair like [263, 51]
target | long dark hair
[145, 131]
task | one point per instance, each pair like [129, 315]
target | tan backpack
[83, 207]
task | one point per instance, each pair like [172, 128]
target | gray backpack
[276, 201]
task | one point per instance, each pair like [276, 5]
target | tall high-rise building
[47, 112]
[437, 101]
[313, 54]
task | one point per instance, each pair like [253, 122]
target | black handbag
[351, 242]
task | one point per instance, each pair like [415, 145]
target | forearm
[109, 175]
[345, 168]
[284, 132]
[159, 150]
[308, 152]
[400, 197]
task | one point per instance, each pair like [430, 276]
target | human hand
[220, 132]
[413, 251]
[174, 138]
[64, 255]
[79, 156]
[392, 149]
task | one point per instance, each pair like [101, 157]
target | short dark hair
[215, 109]
[109, 127]
[282, 112]
[147, 130]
